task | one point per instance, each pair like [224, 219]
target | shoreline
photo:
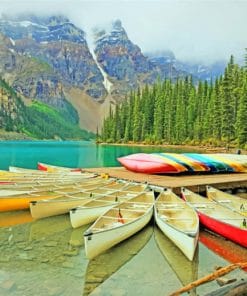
[206, 149]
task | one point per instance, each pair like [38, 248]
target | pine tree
[242, 118]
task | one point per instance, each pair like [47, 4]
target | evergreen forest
[182, 112]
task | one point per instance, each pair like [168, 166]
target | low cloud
[194, 30]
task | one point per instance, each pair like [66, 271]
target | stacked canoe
[174, 163]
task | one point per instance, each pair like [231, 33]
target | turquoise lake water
[67, 153]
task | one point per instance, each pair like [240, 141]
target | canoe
[109, 262]
[233, 202]
[178, 221]
[53, 168]
[213, 164]
[69, 200]
[57, 206]
[37, 172]
[174, 163]
[150, 163]
[185, 269]
[91, 210]
[217, 218]
[63, 187]
[235, 164]
[21, 201]
[118, 223]
[191, 165]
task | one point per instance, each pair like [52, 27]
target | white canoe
[228, 200]
[62, 187]
[69, 201]
[90, 211]
[178, 221]
[118, 223]
[57, 206]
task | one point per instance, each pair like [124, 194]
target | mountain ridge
[48, 58]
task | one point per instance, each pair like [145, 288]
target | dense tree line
[178, 113]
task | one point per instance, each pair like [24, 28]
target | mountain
[171, 67]
[125, 64]
[36, 120]
[48, 59]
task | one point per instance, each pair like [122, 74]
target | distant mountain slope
[37, 120]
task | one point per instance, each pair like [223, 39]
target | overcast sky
[194, 30]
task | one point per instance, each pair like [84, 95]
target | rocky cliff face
[30, 77]
[59, 44]
[123, 61]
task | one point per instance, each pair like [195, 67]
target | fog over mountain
[196, 31]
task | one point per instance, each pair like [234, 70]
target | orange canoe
[21, 202]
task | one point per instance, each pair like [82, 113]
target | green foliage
[209, 113]
[39, 120]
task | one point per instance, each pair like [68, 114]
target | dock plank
[195, 183]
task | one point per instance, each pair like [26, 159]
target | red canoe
[217, 218]
[53, 168]
[150, 164]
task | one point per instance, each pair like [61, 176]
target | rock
[5, 259]
[51, 244]
[76, 243]
[29, 248]
[68, 265]
[224, 281]
[73, 252]
[25, 256]
[7, 285]
[55, 291]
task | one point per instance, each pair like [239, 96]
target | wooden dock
[195, 183]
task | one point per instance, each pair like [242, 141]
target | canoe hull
[44, 209]
[186, 243]
[235, 234]
[18, 203]
[145, 163]
[83, 216]
[111, 237]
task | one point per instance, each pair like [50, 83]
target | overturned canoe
[151, 164]
[174, 163]
[118, 223]
[230, 201]
[178, 221]
[217, 218]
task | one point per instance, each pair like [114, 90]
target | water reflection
[14, 218]
[106, 264]
[47, 258]
[42, 258]
[224, 248]
[186, 270]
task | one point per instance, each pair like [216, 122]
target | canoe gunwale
[121, 225]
